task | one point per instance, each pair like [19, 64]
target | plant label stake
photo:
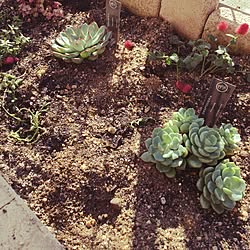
[216, 100]
[113, 12]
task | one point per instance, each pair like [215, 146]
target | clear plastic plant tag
[113, 12]
[216, 100]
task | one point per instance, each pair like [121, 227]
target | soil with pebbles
[84, 178]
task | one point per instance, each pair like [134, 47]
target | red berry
[183, 87]
[242, 29]
[222, 26]
[129, 44]
[9, 60]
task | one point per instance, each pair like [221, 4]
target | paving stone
[143, 7]
[19, 227]
[187, 17]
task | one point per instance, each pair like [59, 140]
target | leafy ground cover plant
[11, 38]
[28, 122]
[34, 8]
[202, 56]
[83, 42]
[184, 140]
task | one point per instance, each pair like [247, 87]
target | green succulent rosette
[165, 149]
[205, 144]
[231, 138]
[221, 186]
[185, 117]
[82, 42]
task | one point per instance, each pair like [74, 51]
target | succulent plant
[221, 186]
[83, 42]
[166, 150]
[205, 144]
[230, 137]
[185, 117]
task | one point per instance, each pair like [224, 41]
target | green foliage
[221, 186]
[83, 42]
[166, 150]
[28, 121]
[205, 144]
[11, 38]
[202, 57]
[9, 83]
[230, 137]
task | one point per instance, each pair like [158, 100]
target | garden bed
[90, 151]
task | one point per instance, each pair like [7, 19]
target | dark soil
[90, 152]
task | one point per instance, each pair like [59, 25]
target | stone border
[194, 19]
[19, 226]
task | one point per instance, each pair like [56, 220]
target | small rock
[90, 223]
[116, 203]
[214, 248]
[163, 201]
[112, 130]
[198, 238]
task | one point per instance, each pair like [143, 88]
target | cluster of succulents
[34, 8]
[186, 141]
[86, 41]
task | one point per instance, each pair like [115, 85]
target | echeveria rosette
[83, 42]
[205, 144]
[231, 138]
[221, 186]
[165, 149]
[185, 117]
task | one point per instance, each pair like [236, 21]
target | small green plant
[11, 39]
[83, 42]
[221, 186]
[28, 121]
[33, 133]
[202, 57]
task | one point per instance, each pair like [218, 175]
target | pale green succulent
[205, 144]
[185, 117]
[83, 42]
[230, 137]
[221, 186]
[166, 150]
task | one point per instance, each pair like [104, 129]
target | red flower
[242, 29]
[56, 5]
[222, 26]
[183, 87]
[129, 45]
[9, 60]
